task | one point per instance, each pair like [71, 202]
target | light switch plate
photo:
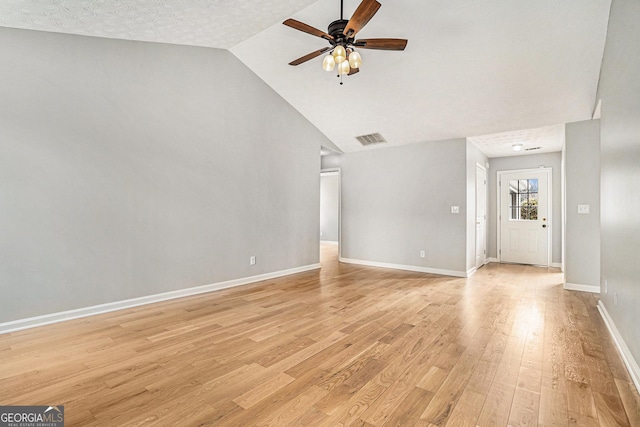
[583, 209]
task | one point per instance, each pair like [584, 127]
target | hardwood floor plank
[284, 348]
[256, 394]
[289, 411]
[496, 408]
[580, 399]
[553, 409]
[631, 401]
[446, 397]
[409, 410]
[525, 408]
[433, 379]
[467, 410]
[397, 333]
[610, 410]
[312, 417]
[383, 407]
[352, 409]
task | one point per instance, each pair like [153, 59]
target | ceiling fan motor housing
[336, 29]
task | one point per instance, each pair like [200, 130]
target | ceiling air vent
[373, 138]
[532, 148]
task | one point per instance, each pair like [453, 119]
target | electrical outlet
[252, 260]
[615, 298]
[455, 209]
[423, 254]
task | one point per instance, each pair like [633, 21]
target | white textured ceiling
[209, 23]
[534, 141]
[471, 67]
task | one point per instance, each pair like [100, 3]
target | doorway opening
[330, 207]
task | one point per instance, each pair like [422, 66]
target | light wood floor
[347, 345]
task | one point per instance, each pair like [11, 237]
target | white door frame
[486, 194]
[549, 171]
[331, 171]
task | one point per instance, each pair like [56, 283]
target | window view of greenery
[524, 199]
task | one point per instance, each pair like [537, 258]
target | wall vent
[532, 148]
[373, 138]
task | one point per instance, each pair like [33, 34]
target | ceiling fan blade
[361, 16]
[353, 71]
[382, 44]
[301, 26]
[309, 56]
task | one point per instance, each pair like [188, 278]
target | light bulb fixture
[517, 147]
[339, 54]
[328, 63]
[355, 60]
[344, 68]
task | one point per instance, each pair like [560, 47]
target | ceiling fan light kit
[328, 63]
[344, 68]
[339, 54]
[341, 36]
[355, 60]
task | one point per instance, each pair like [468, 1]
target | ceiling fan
[341, 36]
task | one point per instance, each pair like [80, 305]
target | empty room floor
[344, 345]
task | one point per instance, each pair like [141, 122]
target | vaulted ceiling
[471, 67]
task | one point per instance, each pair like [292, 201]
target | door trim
[549, 171]
[486, 210]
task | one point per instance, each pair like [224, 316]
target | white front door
[524, 216]
[481, 216]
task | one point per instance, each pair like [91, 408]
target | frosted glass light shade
[344, 68]
[339, 54]
[355, 60]
[328, 63]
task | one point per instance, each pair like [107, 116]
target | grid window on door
[524, 199]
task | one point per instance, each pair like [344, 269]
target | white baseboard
[405, 267]
[627, 357]
[471, 271]
[492, 260]
[32, 322]
[582, 288]
[328, 242]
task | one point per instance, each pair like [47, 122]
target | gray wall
[582, 186]
[552, 160]
[131, 169]
[397, 201]
[474, 156]
[329, 206]
[620, 170]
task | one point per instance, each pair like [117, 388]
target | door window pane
[524, 199]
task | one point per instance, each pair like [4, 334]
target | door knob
[544, 225]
